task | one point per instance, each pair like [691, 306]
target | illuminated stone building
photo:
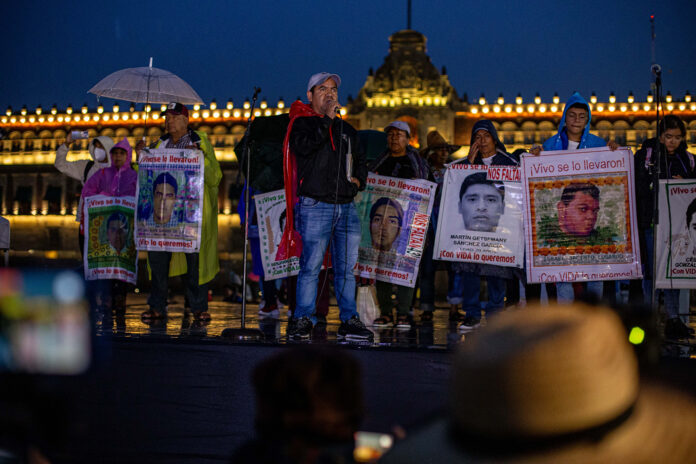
[40, 202]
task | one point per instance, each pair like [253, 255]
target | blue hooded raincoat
[560, 140]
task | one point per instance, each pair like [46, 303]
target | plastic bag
[368, 308]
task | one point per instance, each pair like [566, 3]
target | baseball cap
[401, 125]
[320, 78]
[176, 108]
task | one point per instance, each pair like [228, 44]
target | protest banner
[580, 216]
[170, 200]
[109, 246]
[270, 213]
[481, 216]
[676, 234]
[395, 214]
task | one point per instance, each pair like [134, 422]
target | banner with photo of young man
[676, 234]
[481, 216]
[170, 200]
[579, 216]
[109, 246]
[270, 213]
[395, 214]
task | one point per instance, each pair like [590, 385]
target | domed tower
[409, 87]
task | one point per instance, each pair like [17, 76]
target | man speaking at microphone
[331, 168]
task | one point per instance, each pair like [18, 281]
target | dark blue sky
[54, 51]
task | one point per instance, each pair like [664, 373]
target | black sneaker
[469, 323]
[354, 329]
[300, 328]
[676, 329]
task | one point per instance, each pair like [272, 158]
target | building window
[621, 138]
[52, 197]
[23, 198]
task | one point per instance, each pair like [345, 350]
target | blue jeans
[566, 295]
[468, 285]
[320, 224]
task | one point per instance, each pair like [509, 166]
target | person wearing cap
[485, 149]
[403, 161]
[553, 385]
[198, 268]
[437, 153]
[330, 169]
[81, 170]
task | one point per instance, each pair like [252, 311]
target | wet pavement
[438, 334]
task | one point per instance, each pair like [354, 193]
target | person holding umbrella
[198, 268]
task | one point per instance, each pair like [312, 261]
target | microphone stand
[243, 333]
[656, 164]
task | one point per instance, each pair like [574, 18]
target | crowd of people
[324, 168]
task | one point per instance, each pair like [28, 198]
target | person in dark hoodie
[331, 168]
[676, 163]
[574, 134]
[486, 149]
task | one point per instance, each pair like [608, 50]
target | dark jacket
[418, 164]
[315, 141]
[265, 152]
[501, 157]
[681, 163]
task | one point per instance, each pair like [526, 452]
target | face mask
[99, 154]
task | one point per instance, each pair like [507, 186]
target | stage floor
[438, 334]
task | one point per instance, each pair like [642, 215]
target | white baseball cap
[320, 78]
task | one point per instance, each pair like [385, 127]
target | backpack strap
[88, 166]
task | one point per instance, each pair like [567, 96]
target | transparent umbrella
[146, 85]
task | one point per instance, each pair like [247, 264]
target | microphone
[656, 69]
[257, 91]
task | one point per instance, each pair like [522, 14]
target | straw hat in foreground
[553, 385]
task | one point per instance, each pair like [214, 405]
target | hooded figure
[501, 157]
[84, 169]
[560, 140]
[113, 181]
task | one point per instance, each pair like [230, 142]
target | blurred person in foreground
[553, 385]
[309, 404]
